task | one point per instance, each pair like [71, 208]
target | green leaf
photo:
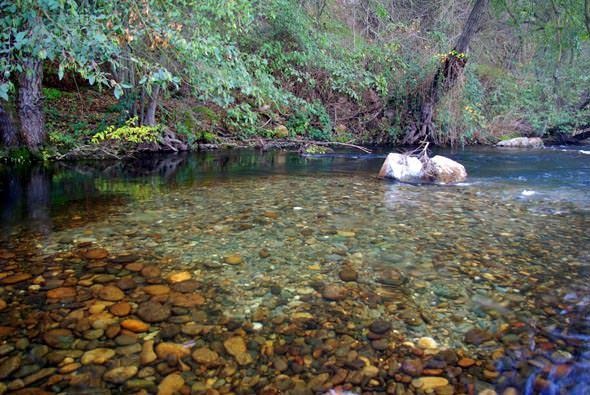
[60, 71]
[4, 91]
[118, 91]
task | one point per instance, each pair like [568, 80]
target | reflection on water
[304, 259]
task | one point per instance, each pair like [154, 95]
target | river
[262, 272]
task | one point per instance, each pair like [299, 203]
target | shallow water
[507, 252]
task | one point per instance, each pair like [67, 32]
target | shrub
[128, 133]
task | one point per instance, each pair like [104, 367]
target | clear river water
[270, 272]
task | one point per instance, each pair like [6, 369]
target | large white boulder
[522, 142]
[406, 168]
[443, 170]
[402, 168]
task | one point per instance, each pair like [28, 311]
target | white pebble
[427, 343]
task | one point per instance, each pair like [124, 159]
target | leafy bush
[312, 121]
[62, 140]
[129, 132]
[243, 120]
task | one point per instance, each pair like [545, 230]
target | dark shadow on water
[31, 196]
[25, 197]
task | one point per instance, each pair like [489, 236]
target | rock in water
[234, 259]
[348, 275]
[205, 356]
[522, 142]
[334, 292]
[408, 168]
[429, 383]
[236, 346]
[136, 326]
[477, 336]
[426, 343]
[59, 338]
[171, 384]
[8, 366]
[153, 312]
[111, 293]
[444, 170]
[166, 350]
[121, 374]
[147, 355]
[380, 326]
[61, 293]
[402, 168]
[98, 356]
[96, 253]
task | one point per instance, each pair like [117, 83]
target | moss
[51, 94]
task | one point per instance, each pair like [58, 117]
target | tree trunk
[30, 104]
[149, 118]
[445, 77]
[8, 132]
[587, 15]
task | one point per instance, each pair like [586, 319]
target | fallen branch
[284, 143]
[329, 143]
[90, 151]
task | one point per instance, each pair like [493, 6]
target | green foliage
[189, 128]
[62, 140]
[311, 121]
[206, 113]
[51, 94]
[20, 156]
[243, 121]
[62, 31]
[128, 133]
[305, 64]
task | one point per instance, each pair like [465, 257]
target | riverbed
[271, 272]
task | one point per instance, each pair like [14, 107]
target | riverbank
[75, 118]
[135, 151]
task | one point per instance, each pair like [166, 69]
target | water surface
[496, 268]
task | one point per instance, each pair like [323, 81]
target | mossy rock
[314, 149]
[206, 137]
[281, 132]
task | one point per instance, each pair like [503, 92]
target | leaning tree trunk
[30, 103]
[149, 117]
[8, 132]
[446, 76]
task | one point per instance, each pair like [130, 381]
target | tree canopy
[322, 69]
